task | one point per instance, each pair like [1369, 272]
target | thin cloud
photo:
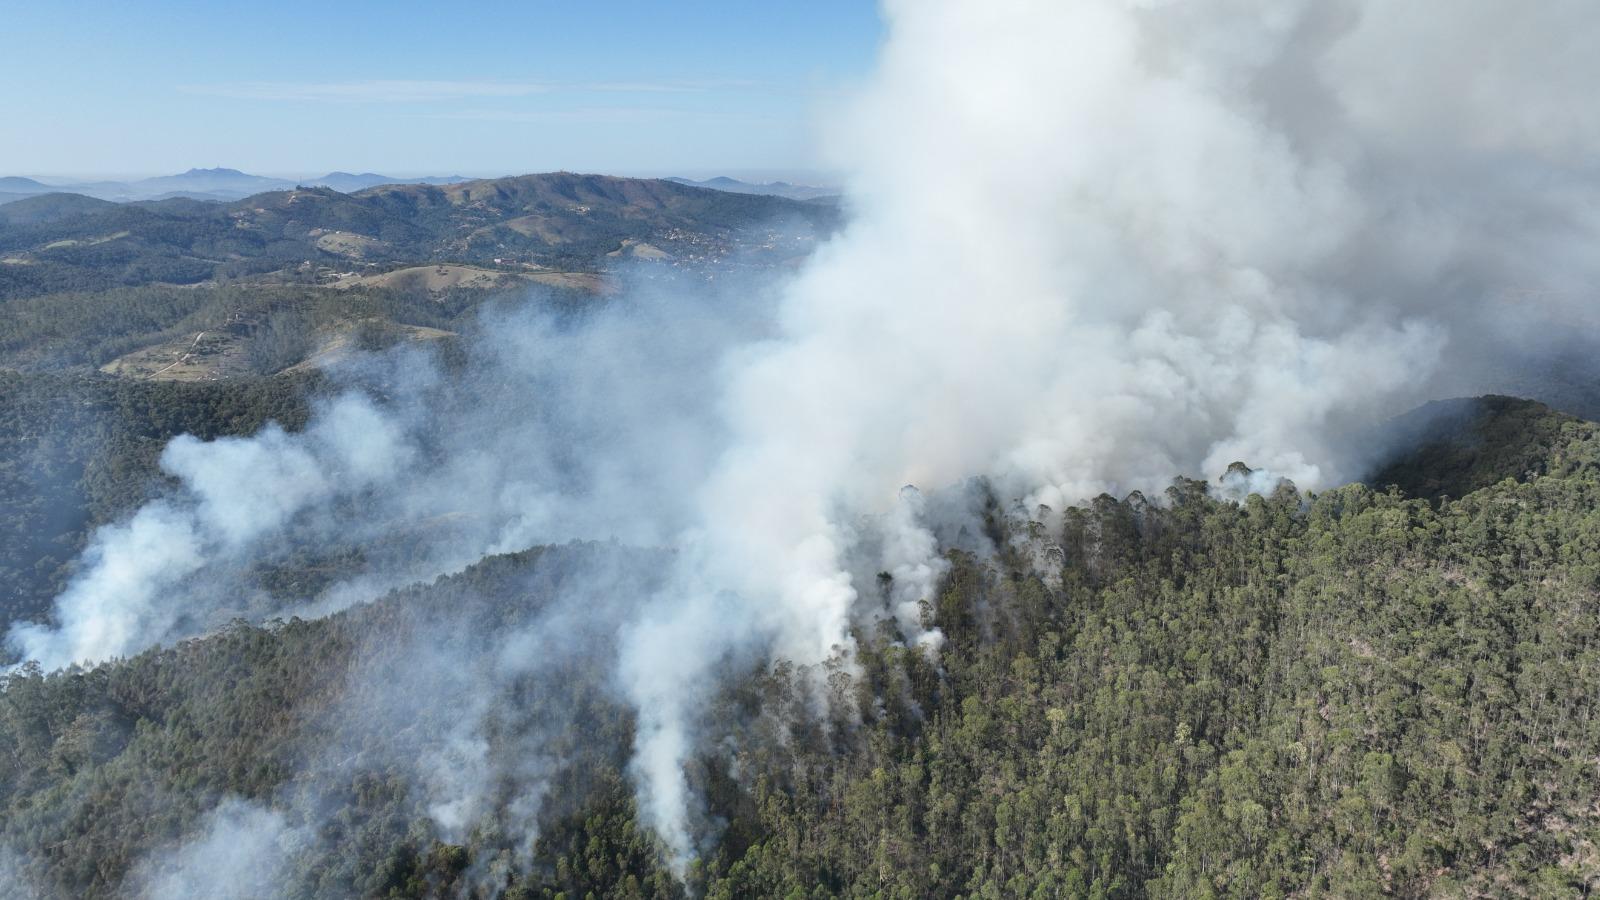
[416, 91]
[586, 114]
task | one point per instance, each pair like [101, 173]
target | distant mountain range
[348, 183]
[771, 188]
[204, 184]
[560, 221]
[23, 186]
[226, 185]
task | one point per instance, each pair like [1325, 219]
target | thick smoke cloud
[14, 882]
[1093, 245]
[236, 492]
[1098, 244]
[558, 425]
[241, 852]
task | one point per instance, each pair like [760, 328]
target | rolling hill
[560, 221]
[45, 208]
[218, 181]
[13, 184]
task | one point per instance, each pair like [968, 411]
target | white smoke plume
[14, 881]
[555, 430]
[1093, 245]
[239, 853]
[910, 557]
[236, 490]
[1097, 244]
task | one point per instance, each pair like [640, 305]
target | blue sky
[301, 88]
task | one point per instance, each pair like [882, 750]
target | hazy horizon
[814, 177]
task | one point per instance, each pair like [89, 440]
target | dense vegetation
[1450, 448]
[1354, 694]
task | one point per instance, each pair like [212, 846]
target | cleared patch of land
[639, 250]
[349, 244]
[436, 278]
[440, 278]
[204, 356]
[341, 344]
[224, 353]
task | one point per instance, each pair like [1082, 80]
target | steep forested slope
[1451, 448]
[1356, 694]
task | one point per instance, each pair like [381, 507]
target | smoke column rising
[1097, 244]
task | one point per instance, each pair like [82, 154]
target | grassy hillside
[1357, 694]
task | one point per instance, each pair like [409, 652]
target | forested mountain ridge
[562, 221]
[1353, 694]
[1454, 447]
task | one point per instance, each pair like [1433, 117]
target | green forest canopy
[1362, 693]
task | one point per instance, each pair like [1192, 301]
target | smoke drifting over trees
[1093, 246]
